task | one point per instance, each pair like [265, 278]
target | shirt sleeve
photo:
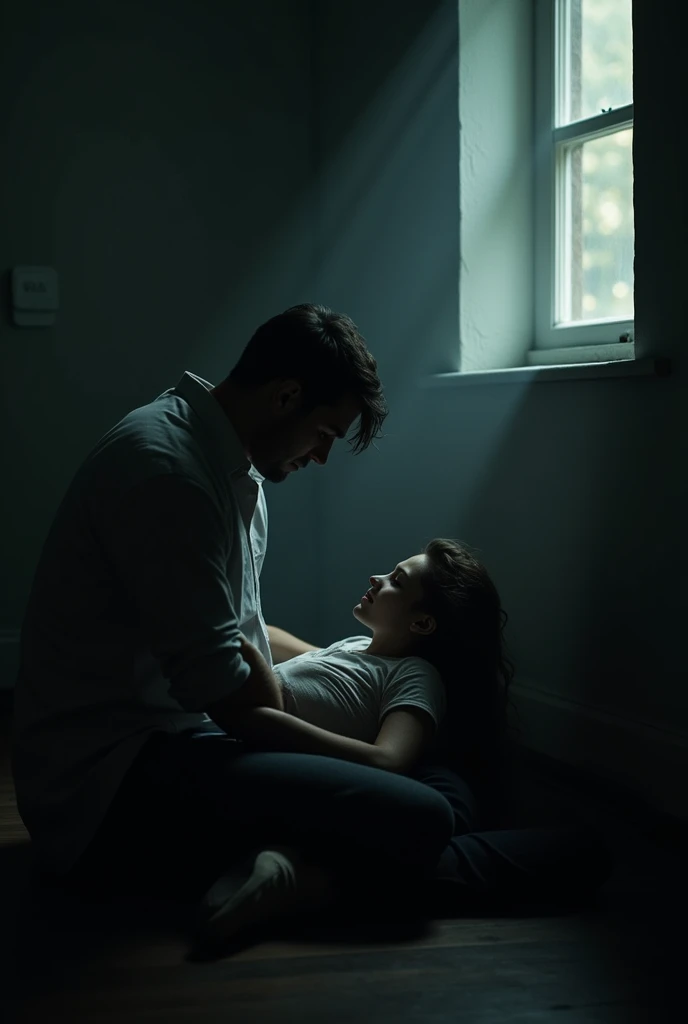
[418, 684]
[171, 547]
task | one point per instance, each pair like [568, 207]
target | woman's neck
[390, 647]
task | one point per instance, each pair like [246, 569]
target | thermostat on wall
[35, 298]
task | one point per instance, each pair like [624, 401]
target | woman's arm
[405, 732]
[401, 740]
[285, 646]
[268, 729]
[404, 736]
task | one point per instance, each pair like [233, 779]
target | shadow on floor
[636, 919]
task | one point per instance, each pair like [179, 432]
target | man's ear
[287, 396]
[424, 626]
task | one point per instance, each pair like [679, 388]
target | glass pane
[598, 49]
[601, 229]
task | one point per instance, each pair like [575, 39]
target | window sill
[571, 371]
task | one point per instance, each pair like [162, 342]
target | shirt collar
[226, 444]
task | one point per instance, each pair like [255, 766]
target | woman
[437, 653]
[431, 684]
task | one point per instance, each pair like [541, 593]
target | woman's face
[391, 605]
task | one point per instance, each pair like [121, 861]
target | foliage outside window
[584, 266]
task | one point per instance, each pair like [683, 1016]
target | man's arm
[261, 690]
[285, 645]
[169, 546]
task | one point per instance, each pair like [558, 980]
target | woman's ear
[424, 626]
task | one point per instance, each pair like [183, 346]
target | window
[584, 176]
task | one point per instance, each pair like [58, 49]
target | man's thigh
[286, 797]
[193, 804]
[456, 790]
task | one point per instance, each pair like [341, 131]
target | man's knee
[423, 817]
[438, 813]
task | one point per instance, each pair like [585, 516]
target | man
[144, 644]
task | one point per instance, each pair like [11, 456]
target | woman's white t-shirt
[348, 692]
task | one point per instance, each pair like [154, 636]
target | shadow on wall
[177, 202]
[387, 199]
[585, 542]
[567, 488]
[572, 500]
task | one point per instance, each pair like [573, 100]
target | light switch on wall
[35, 296]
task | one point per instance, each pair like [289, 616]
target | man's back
[98, 672]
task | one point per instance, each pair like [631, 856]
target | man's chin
[275, 474]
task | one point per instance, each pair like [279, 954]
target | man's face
[292, 439]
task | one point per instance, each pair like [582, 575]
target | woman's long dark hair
[469, 651]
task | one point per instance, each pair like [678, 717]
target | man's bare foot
[237, 909]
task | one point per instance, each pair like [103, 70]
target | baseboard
[9, 657]
[637, 762]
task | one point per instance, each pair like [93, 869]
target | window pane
[600, 229]
[597, 47]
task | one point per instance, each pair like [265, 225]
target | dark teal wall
[171, 183]
[158, 154]
[574, 492]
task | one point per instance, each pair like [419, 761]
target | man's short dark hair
[329, 357]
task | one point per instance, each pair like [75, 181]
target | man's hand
[251, 653]
[266, 687]
[262, 689]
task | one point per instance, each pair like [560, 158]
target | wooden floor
[622, 960]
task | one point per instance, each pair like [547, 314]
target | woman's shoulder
[350, 644]
[417, 668]
[417, 664]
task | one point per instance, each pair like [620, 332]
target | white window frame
[613, 338]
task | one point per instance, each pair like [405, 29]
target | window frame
[548, 213]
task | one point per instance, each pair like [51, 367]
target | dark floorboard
[620, 960]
